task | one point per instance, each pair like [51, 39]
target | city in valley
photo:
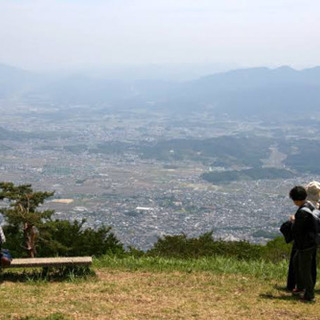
[103, 166]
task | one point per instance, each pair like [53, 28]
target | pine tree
[23, 211]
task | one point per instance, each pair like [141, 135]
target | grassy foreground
[156, 288]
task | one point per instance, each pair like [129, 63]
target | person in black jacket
[313, 196]
[304, 231]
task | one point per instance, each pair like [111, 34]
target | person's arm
[2, 236]
[299, 222]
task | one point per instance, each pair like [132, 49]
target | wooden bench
[50, 262]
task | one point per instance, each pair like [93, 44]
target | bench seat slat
[50, 262]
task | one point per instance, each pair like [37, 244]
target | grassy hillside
[156, 288]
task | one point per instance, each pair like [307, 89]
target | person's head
[313, 191]
[298, 195]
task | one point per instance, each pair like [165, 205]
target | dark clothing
[286, 230]
[304, 228]
[302, 262]
[304, 231]
[291, 279]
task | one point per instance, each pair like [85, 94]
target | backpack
[286, 231]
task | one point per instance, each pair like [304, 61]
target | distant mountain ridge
[242, 92]
[17, 82]
[256, 91]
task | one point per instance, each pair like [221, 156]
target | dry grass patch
[147, 295]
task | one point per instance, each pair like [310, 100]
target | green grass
[216, 265]
[155, 288]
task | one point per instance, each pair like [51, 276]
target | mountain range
[252, 92]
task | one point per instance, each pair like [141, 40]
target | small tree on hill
[22, 211]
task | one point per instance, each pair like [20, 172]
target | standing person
[304, 231]
[313, 196]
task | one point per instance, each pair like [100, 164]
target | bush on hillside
[65, 238]
[180, 246]
[276, 250]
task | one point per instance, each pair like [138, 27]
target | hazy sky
[48, 34]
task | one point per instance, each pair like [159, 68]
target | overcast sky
[49, 34]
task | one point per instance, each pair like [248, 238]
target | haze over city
[199, 36]
[160, 117]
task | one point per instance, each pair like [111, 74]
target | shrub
[180, 246]
[65, 238]
[276, 250]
